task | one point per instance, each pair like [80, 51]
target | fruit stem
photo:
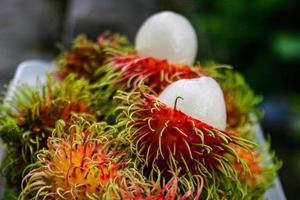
[175, 104]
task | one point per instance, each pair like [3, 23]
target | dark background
[260, 38]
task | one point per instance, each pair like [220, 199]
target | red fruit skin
[155, 73]
[169, 139]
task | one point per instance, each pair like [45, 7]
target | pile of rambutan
[101, 127]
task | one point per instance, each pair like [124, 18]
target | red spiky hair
[153, 72]
[167, 139]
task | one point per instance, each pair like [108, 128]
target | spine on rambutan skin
[29, 116]
[82, 163]
[164, 138]
[86, 57]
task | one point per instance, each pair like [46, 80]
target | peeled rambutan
[165, 138]
[83, 164]
[128, 72]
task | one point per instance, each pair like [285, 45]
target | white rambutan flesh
[202, 99]
[167, 35]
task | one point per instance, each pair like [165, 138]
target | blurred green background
[260, 38]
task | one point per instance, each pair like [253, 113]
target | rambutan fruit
[128, 72]
[261, 173]
[82, 164]
[86, 57]
[29, 117]
[262, 167]
[164, 138]
[157, 74]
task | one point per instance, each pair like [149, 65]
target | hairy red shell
[169, 139]
[153, 72]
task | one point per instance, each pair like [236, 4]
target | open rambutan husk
[164, 138]
[129, 72]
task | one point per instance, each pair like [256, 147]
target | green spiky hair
[29, 116]
[89, 60]
[241, 102]
[86, 57]
[263, 166]
[253, 183]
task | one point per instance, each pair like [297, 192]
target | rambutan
[86, 57]
[128, 72]
[262, 172]
[165, 138]
[82, 164]
[30, 116]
